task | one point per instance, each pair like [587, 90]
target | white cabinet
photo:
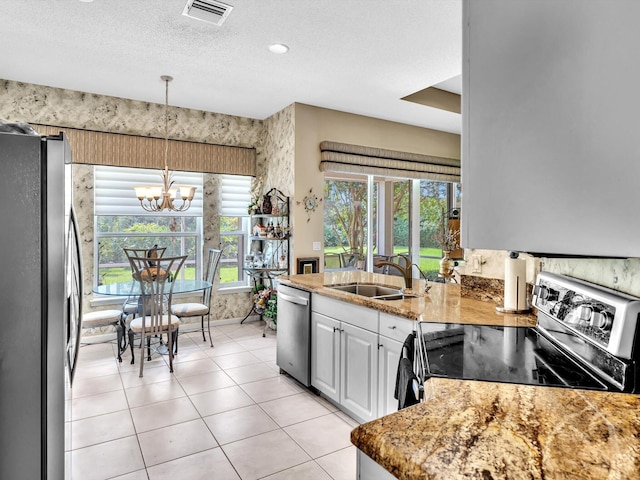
[368, 469]
[388, 359]
[549, 137]
[344, 357]
[359, 371]
[325, 355]
[393, 332]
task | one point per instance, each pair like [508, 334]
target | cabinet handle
[393, 327]
[334, 329]
[380, 346]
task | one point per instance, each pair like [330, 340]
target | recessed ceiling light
[86, 1]
[278, 48]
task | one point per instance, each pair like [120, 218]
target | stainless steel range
[586, 337]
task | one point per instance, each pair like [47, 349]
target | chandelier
[156, 198]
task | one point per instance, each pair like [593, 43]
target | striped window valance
[122, 150]
[346, 158]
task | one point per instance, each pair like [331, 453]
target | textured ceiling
[358, 56]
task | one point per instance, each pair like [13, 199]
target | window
[433, 204]
[121, 222]
[234, 228]
[406, 217]
[345, 220]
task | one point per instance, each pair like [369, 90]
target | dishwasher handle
[292, 299]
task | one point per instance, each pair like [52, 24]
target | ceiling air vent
[207, 11]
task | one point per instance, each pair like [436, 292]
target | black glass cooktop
[501, 354]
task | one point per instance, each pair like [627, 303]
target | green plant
[265, 302]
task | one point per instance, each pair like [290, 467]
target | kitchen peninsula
[442, 303]
[476, 429]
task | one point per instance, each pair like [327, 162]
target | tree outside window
[345, 220]
[345, 224]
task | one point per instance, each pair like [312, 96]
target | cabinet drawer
[362, 317]
[396, 328]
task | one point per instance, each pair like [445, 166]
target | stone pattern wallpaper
[69, 108]
[279, 152]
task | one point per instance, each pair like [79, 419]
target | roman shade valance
[121, 150]
[346, 158]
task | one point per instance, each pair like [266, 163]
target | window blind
[114, 194]
[346, 158]
[235, 195]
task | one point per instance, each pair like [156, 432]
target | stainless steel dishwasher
[293, 350]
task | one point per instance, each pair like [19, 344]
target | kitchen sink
[377, 292]
[399, 296]
[367, 290]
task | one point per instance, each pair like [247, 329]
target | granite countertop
[484, 430]
[442, 304]
[481, 430]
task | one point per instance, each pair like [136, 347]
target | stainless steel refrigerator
[40, 306]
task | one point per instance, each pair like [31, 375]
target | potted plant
[265, 303]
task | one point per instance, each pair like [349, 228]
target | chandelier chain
[158, 198]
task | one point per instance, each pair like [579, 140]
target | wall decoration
[307, 265]
[310, 203]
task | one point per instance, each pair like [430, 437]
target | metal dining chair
[184, 310]
[130, 306]
[156, 282]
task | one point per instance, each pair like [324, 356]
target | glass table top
[132, 287]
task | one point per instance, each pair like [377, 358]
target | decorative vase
[446, 265]
[266, 204]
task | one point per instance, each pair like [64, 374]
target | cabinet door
[388, 359]
[325, 355]
[359, 371]
[549, 138]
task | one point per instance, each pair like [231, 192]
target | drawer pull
[392, 327]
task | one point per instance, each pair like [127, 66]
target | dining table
[131, 288]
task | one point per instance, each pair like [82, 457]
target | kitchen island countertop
[482, 430]
[468, 429]
[442, 303]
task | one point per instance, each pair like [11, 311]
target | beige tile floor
[225, 413]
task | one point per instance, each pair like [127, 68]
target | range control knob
[584, 313]
[601, 320]
[543, 292]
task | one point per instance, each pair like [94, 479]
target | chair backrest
[150, 253]
[156, 286]
[347, 259]
[332, 260]
[213, 261]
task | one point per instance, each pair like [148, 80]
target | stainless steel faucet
[407, 273]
